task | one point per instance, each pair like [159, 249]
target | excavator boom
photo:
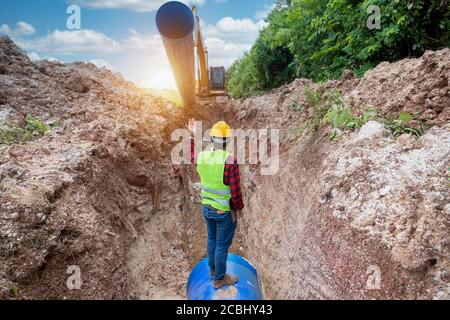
[181, 34]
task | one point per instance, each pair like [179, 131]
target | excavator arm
[202, 54]
[180, 30]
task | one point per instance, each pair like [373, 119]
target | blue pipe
[176, 24]
[200, 287]
[175, 20]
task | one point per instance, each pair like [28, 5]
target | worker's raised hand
[191, 126]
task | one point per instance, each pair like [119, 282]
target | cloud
[263, 14]
[22, 29]
[142, 56]
[52, 59]
[237, 30]
[226, 41]
[224, 53]
[229, 38]
[137, 41]
[133, 5]
[100, 63]
[34, 56]
[67, 43]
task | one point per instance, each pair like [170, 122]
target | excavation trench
[150, 232]
[171, 239]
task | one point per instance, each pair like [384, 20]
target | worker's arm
[189, 150]
[232, 178]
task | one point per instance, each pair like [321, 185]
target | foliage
[341, 117]
[319, 107]
[15, 292]
[317, 39]
[261, 69]
[16, 134]
[35, 125]
[36, 243]
[330, 108]
[402, 125]
[296, 107]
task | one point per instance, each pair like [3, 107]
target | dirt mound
[418, 86]
[338, 211]
[86, 190]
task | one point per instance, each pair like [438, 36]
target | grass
[33, 128]
[36, 243]
[15, 291]
[343, 120]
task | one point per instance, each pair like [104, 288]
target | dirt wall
[337, 212]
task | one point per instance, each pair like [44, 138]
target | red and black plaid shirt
[231, 177]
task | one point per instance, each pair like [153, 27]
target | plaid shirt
[231, 177]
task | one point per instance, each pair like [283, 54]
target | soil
[99, 191]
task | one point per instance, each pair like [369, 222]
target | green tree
[317, 39]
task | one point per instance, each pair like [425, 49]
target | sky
[122, 35]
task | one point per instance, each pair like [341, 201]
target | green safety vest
[210, 167]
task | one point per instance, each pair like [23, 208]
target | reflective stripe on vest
[219, 201]
[215, 191]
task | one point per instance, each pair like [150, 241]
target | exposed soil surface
[100, 191]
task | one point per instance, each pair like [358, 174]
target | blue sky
[122, 35]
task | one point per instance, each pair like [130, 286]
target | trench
[172, 237]
[298, 248]
[138, 229]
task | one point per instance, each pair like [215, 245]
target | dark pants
[221, 230]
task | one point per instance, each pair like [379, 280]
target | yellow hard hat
[221, 130]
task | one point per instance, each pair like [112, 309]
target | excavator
[180, 30]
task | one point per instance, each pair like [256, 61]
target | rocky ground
[338, 209]
[99, 190]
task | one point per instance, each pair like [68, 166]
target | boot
[228, 280]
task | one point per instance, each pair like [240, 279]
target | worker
[222, 200]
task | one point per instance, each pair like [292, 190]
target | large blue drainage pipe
[200, 287]
[176, 25]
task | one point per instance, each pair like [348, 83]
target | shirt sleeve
[189, 151]
[232, 178]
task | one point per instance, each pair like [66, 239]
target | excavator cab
[217, 78]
